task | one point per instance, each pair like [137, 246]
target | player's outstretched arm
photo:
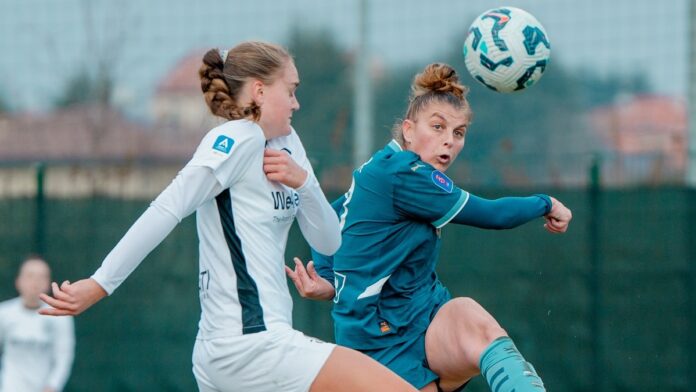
[71, 299]
[308, 282]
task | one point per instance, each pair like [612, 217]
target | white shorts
[274, 361]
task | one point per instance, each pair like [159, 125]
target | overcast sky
[43, 42]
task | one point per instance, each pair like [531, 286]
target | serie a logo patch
[442, 181]
[223, 144]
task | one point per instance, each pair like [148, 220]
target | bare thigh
[348, 370]
[459, 333]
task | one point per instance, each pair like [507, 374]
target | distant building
[88, 150]
[645, 138]
[178, 102]
[86, 133]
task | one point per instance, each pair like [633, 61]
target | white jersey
[243, 232]
[37, 351]
[243, 223]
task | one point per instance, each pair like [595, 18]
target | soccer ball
[506, 49]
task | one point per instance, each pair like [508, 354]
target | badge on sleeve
[223, 144]
[442, 181]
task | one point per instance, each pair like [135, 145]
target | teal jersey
[384, 273]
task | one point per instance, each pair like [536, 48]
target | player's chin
[442, 166]
[281, 131]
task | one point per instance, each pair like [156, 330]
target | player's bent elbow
[329, 246]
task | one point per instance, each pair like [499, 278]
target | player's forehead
[445, 111]
[289, 75]
[34, 267]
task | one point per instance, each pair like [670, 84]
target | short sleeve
[425, 193]
[229, 151]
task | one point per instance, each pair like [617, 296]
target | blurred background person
[36, 352]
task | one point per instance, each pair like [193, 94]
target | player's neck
[31, 303]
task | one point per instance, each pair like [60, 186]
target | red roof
[88, 133]
[645, 123]
[184, 76]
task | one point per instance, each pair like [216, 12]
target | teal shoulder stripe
[463, 198]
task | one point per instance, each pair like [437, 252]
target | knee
[478, 321]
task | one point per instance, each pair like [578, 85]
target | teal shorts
[409, 362]
[407, 359]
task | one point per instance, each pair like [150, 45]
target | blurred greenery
[4, 104]
[325, 96]
[85, 88]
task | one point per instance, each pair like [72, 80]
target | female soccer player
[247, 181]
[36, 353]
[388, 300]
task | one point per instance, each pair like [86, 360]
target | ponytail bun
[438, 78]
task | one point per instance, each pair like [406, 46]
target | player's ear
[257, 93]
[407, 129]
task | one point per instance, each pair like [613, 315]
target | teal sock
[506, 370]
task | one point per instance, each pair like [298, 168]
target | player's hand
[308, 283]
[279, 166]
[71, 299]
[558, 219]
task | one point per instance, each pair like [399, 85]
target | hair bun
[440, 78]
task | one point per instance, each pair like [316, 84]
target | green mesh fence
[609, 306]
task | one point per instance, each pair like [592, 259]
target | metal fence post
[362, 119]
[40, 213]
[691, 276]
[595, 273]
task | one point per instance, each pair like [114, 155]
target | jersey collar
[394, 145]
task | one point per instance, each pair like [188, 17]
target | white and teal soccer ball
[506, 49]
